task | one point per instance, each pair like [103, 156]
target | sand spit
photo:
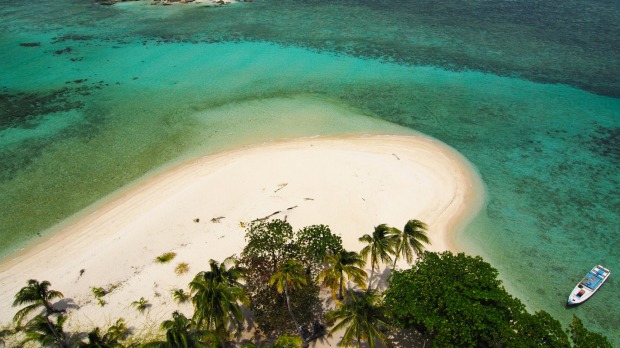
[197, 210]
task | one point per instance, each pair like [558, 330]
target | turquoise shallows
[95, 97]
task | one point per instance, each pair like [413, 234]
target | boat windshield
[592, 280]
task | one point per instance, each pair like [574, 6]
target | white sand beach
[349, 183]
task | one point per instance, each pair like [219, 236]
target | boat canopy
[592, 280]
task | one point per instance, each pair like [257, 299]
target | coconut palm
[409, 241]
[96, 340]
[36, 295]
[178, 332]
[228, 272]
[181, 333]
[290, 276]
[118, 331]
[46, 332]
[286, 341]
[216, 296]
[379, 246]
[283, 341]
[364, 319]
[110, 339]
[180, 296]
[141, 304]
[341, 264]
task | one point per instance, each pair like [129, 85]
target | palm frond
[22, 313]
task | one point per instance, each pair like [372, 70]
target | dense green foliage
[270, 245]
[452, 300]
[458, 301]
[277, 242]
[583, 338]
[316, 241]
[271, 311]
[270, 241]
[539, 330]
[289, 277]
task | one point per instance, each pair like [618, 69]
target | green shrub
[99, 292]
[180, 295]
[165, 257]
[181, 268]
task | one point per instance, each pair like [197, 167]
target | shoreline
[350, 183]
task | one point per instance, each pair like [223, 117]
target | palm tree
[181, 333]
[363, 317]
[95, 340]
[118, 331]
[379, 246]
[141, 304]
[216, 295]
[178, 331]
[110, 339]
[286, 341]
[45, 332]
[338, 265]
[409, 241]
[228, 272]
[290, 276]
[283, 341]
[180, 295]
[36, 294]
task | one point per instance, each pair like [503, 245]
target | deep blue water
[93, 97]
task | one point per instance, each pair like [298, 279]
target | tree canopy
[459, 302]
[36, 295]
[584, 338]
[539, 330]
[363, 318]
[379, 246]
[410, 240]
[270, 246]
[268, 240]
[454, 300]
[340, 266]
[316, 241]
[217, 296]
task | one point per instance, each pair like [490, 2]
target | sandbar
[198, 209]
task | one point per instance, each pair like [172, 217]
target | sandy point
[197, 210]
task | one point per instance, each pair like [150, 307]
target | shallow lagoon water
[96, 97]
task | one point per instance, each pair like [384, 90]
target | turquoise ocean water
[95, 97]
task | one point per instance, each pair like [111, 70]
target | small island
[286, 243]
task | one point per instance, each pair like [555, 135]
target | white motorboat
[588, 285]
